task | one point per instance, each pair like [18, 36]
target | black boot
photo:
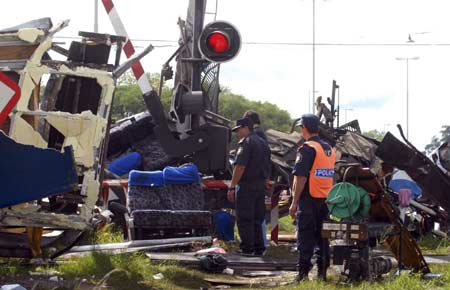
[302, 274]
[321, 272]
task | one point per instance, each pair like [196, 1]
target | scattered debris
[213, 263]
[140, 244]
[284, 278]
[214, 250]
[235, 262]
[263, 273]
[55, 279]
[228, 271]
[12, 287]
[158, 276]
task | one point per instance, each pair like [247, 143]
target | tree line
[128, 101]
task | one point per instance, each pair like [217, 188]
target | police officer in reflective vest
[313, 178]
[251, 171]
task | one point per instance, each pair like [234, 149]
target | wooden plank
[16, 52]
[218, 281]
[281, 278]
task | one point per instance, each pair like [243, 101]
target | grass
[404, 282]
[139, 275]
[11, 268]
[138, 272]
[434, 245]
[110, 234]
[286, 225]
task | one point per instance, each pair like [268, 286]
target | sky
[351, 38]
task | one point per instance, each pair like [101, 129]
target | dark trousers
[250, 213]
[311, 214]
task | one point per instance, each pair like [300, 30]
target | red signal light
[218, 42]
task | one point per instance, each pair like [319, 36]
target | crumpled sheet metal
[434, 183]
[355, 145]
[29, 173]
[84, 132]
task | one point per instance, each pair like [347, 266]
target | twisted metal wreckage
[57, 134]
[63, 142]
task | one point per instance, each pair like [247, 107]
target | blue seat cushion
[146, 178]
[124, 164]
[185, 174]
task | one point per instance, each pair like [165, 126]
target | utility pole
[96, 16]
[199, 12]
[407, 59]
[314, 57]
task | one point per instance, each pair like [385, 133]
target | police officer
[254, 117]
[250, 173]
[313, 178]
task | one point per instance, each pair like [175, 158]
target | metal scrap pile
[408, 191]
[383, 158]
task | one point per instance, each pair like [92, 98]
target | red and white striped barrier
[128, 48]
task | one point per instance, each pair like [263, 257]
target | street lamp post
[312, 102]
[314, 56]
[345, 114]
[96, 16]
[407, 59]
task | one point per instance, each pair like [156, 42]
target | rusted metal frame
[60, 50]
[404, 238]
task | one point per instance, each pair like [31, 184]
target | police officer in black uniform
[313, 178]
[254, 117]
[250, 173]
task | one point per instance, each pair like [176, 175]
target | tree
[128, 98]
[128, 101]
[436, 141]
[233, 106]
[375, 134]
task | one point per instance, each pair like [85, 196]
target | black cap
[310, 122]
[243, 122]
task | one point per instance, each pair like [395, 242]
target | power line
[290, 43]
[344, 44]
